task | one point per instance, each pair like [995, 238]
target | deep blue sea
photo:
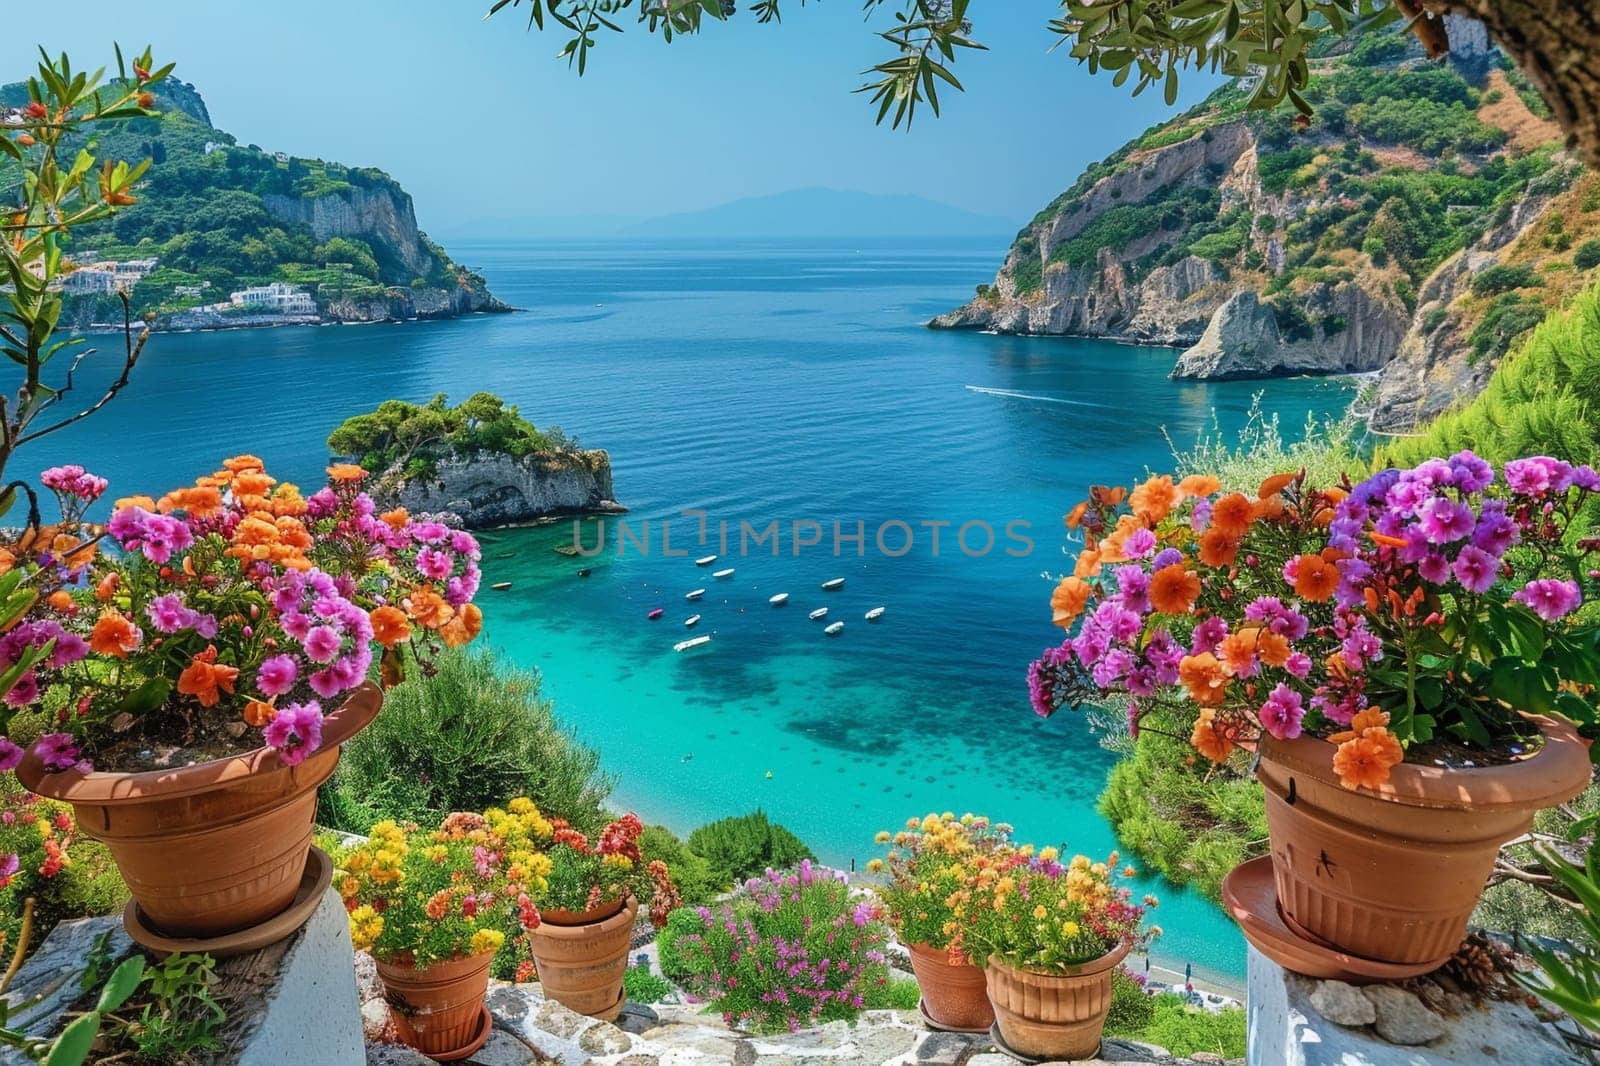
[787, 383]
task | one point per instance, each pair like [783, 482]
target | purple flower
[169, 613]
[1585, 477]
[9, 865]
[1435, 568]
[1165, 557]
[1550, 598]
[1280, 715]
[861, 915]
[296, 731]
[1209, 635]
[24, 690]
[1538, 474]
[1445, 521]
[1134, 584]
[1476, 569]
[57, 751]
[1298, 664]
[277, 675]
[10, 755]
[1140, 543]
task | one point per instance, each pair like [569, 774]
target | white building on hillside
[279, 297]
[90, 280]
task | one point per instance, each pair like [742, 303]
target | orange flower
[286, 500]
[1088, 564]
[1233, 514]
[1210, 738]
[1173, 589]
[1218, 548]
[428, 608]
[8, 559]
[253, 483]
[395, 519]
[144, 502]
[292, 531]
[240, 463]
[1271, 507]
[390, 625]
[1107, 495]
[205, 678]
[113, 635]
[1239, 652]
[1203, 676]
[1199, 485]
[1315, 578]
[1068, 600]
[464, 627]
[61, 600]
[1365, 761]
[1274, 485]
[1074, 517]
[346, 472]
[199, 500]
[1385, 540]
[1155, 499]
[258, 713]
[1111, 548]
[1272, 647]
[107, 587]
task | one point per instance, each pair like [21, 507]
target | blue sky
[484, 127]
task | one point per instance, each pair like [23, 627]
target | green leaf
[121, 984]
[148, 696]
[73, 1045]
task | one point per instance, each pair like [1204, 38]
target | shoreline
[103, 328]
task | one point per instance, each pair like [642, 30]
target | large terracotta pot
[1053, 1016]
[1393, 874]
[581, 962]
[439, 1008]
[954, 995]
[214, 848]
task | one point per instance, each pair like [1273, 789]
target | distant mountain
[818, 212]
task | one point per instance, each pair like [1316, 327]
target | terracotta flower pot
[439, 1007]
[1053, 1016]
[214, 848]
[581, 963]
[1393, 874]
[954, 995]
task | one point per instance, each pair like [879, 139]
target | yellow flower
[882, 837]
[366, 925]
[486, 940]
[522, 805]
[1040, 911]
[621, 862]
[1049, 854]
[875, 866]
[1069, 929]
[349, 887]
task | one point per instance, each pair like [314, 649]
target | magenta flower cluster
[791, 949]
[333, 634]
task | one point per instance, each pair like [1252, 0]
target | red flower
[36, 110]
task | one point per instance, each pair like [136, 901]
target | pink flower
[1282, 712]
[57, 751]
[322, 644]
[296, 731]
[277, 675]
[8, 869]
[10, 754]
[1476, 569]
[1549, 598]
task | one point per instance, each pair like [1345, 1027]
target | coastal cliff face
[495, 490]
[1354, 245]
[383, 217]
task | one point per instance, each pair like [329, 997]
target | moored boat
[779, 600]
[692, 642]
[833, 584]
[500, 586]
[705, 560]
[655, 613]
[834, 629]
[692, 621]
[695, 595]
[875, 614]
[819, 613]
[724, 573]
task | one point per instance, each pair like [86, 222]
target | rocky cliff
[1357, 243]
[495, 490]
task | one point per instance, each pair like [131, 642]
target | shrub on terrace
[744, 846]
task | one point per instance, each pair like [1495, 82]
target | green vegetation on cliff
[416, 436]
[219, 216]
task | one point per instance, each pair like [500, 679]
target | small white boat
[692, 621]
[705, 560]
[692, 642]
[500, 586]
[695, 595]
[833, 584]
[820, 612]
[724, 573]
[875, 614]
[834, 629]
[779, 600]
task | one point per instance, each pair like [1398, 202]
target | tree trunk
[1556, 43]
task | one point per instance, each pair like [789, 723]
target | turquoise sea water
[762, 383]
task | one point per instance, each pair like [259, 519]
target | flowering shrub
[1033, 913]
[927, 862]
[235, 598]
[789, 949]
[461, 888]
[1429, 603]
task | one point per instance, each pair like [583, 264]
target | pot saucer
[1250, 893]
[314, 884]
[485, 1027]
[940, 1027]
[994, 1035]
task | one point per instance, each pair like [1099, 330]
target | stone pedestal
[293, 1002]
[1300, 1021]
